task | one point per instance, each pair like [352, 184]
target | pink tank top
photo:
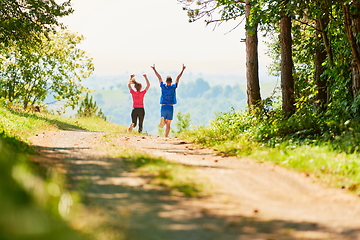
[138, 98]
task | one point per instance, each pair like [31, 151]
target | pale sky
[129, 36]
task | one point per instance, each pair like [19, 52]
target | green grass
[30, 196]
[289, 143]
[16, 127]
[336, 169]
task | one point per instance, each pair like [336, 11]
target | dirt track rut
[251, 200]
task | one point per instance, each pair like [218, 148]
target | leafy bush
[325, 146]
[183, 122]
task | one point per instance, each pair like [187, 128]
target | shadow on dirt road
[135, 210]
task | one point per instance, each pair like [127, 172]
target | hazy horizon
[122, 37]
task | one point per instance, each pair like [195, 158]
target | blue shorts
[167, 112]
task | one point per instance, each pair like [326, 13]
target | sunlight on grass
[337, 169]
[95, 124]
[24, 125]
[39, 197]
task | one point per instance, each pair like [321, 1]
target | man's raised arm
[180, 74]
[157, 74]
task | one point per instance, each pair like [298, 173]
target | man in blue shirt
[167, 98]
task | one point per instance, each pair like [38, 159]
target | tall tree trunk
[352, 27]
[287, 79]
[252, 61]
[322, 25]
[321, 98]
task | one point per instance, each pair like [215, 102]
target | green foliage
[24, 21]
[305, 142]
[32, 202]
[56, 66]
[307, 39]
[161, 131]
[183, 122]
[17, 126]
[88, 108]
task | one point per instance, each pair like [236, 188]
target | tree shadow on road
[134, 209]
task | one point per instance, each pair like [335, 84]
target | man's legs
[167, 130]
[167, 111]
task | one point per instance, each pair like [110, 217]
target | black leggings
[138, 113]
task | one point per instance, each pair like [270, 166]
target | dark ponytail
[137, 85]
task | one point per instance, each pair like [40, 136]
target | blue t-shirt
[168, 93]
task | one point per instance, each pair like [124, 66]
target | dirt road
[251, 200]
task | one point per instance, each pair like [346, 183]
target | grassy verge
[336, 169]
[34, 202]
[17, 127]
[333, 159]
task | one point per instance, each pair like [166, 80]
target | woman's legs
[141, 117]
[137, 113]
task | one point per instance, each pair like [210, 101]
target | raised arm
[180, 74]
[147, 82]
[157, 74]
[130, 81]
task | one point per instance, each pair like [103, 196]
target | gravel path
[251, 200]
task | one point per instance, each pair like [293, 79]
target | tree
[252, 59]
[287, 80]
[56, 66]
[322, 50]
[317, 53]
[352, 27]
[231, 10]
[25, 20]
[89, 108]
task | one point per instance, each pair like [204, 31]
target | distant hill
[202, 97]
[105, 82]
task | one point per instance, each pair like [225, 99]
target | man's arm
[180, 74]
[147, 82]
[157, 74]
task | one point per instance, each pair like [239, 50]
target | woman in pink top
[138, 111]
